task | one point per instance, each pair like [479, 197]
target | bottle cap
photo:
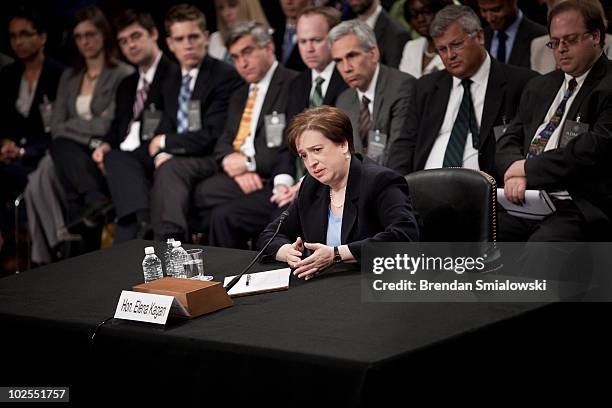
[176, 244]
[149, 250]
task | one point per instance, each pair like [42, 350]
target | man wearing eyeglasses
[456, 114]
[509, 34]
[561, 139]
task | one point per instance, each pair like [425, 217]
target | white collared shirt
[194, 75]
[371, 21]
[132, 140]
[553, 141]
[478, 89]
[370, 93]
[248, 147]
[326, 74]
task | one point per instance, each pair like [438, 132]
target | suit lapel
[274, 89]
[590, 82]
[436, 108]
[316, 213]
[353, 113]
[336, 85]
[200, 90]
[101, 86]
[350, 213]
[379, 95]
[547, 98]
[496, 89]
[519, 53]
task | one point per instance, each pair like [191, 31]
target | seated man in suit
[378, 99]
[285, 38]
[124, 153]
[390, 35]
[560, 140]
[321, 84]
[509, 34]
[195, 111]
[252, 150]
[455, 113]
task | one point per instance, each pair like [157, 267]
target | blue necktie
[182, 115]
[288, 43]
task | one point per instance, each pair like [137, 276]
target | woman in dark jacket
[345, 200]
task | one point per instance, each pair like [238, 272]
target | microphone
[236, 278]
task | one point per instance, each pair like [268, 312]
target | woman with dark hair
[345, 200]
[419, 56]
[82, 114]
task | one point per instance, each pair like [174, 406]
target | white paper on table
[260, 282]
[537, 205]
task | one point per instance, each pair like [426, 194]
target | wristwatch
[337, 257]
[250, 164]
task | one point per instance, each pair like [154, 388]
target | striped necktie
[466, 120]
[245, 121]
[139, 102]
[365, 121]
[317, 96]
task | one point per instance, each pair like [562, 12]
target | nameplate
[143, 307]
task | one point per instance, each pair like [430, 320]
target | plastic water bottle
[176, 256]
[151, 265]
[167, 261]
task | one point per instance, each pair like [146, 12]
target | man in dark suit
[285, 36]
[378, 98]
[195, 111]
[124, 152]
[440, 129]
[545, 148]
[509, 34]
[390, 36]
[321, 84]
[251, 150]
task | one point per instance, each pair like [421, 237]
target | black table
[316, 343]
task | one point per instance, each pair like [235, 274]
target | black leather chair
[455, 204]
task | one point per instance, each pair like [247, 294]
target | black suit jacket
[29, 132]
[300, 92]
[377, 208]
[166, 73]
[520, 55]
[583, 167]
[428, 108]
[269, 161]
[391, 38]
[215, 83]
[295, 59]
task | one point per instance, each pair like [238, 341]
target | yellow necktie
[245, 122]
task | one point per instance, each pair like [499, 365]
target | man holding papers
[561, 138]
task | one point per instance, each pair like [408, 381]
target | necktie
[365, 121]
[288, 43]
[466, 120]
[539, 142]
[182, 115]
[501, 46]
[139, 101]
[317, 96]
[245, 121]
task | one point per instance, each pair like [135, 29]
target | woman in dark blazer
[345, 200]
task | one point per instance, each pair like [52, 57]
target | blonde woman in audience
[230, 12]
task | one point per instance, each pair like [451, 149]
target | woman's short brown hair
[329, 121]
